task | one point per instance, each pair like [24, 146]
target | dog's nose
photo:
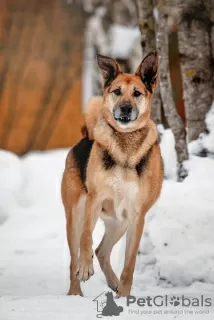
[126, 109]
[125, 113]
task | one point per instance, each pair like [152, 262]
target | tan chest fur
[121, 188]
[123, 192]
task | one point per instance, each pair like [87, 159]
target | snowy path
[177, 255]
[66, 308]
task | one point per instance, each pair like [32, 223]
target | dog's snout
[125, 113]
[126, 109]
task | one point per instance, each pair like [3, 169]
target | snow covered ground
[205, 141]
[176, 253]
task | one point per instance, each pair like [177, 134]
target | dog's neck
[125, 148]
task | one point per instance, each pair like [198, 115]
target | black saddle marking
[81, 152]
[141, 166]
[108, 161]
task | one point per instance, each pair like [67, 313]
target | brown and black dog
[115, 173]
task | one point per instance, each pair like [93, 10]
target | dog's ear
[148, 70]
[109, 68]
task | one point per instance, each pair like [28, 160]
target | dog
[115, 172]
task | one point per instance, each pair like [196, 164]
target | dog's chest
[124, 193]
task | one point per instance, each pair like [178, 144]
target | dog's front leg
[85, 268]
[133, 237]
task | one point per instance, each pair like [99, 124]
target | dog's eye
[117, 92]
[136, 93]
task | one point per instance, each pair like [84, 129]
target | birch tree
[212, 26]
[170, 111]
[97, 40]
[148, 42]
[210, 10]
[196, 62]
[103, 14]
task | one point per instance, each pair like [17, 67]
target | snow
[168, 153]
[66, 308]
[122, 40]
[205, 141]
[176, 251]
[182, 232]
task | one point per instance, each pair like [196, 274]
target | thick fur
[120, 178]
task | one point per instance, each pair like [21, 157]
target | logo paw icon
[175, 301]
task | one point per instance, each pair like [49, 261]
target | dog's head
[127, 97]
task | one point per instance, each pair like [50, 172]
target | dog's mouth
[123, 119]
[125, 113]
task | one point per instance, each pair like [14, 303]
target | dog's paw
[85, 269]
[122, 292]
[113, 283]
[120, 295]
[75, 292]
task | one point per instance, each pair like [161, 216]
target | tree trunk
[104, 13]
[210, 9]
[212, 35]
[97, 41]
[170, 111]
[212, 28]
[148, 42]
[196, 63]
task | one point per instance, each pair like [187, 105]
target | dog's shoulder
[150, 147]
[92, 114]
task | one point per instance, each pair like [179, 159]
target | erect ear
[148, 70]
[109, 68]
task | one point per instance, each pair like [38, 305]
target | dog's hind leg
[74, 228]
[73, 197]
[114, 230]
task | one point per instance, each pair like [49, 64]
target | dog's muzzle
[125, 113]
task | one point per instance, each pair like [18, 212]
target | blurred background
[48, 69]
[48, 72]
